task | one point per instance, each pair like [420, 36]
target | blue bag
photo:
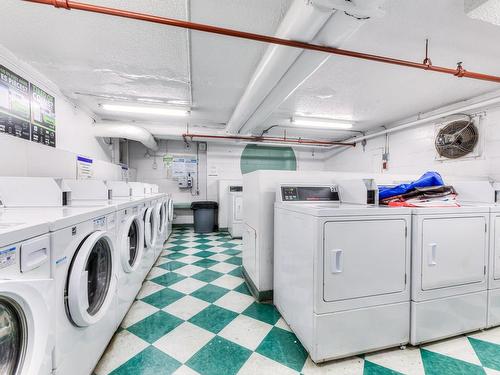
[427, 179]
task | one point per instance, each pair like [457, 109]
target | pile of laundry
[428, 191]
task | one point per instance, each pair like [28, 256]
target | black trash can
[204, 214]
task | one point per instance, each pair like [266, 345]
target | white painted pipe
[338, 29]
[302, 22]
[127, 131]
[421, 121]
[465, 109]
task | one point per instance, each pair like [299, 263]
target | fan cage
[457, 139]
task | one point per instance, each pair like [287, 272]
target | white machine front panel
[238, 208]
[496, 249]
[453, 251]
[364, 258]
[250, 252]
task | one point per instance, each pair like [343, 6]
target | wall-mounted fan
[457, 139]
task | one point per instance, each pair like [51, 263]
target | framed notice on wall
[26, 111]
[15, 113]
[43, 117]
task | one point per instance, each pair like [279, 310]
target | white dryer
[27, 295]
[259, 194]
[235, 219]
[449, 271]
[341, 272]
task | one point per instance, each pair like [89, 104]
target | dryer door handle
[336, 260]
[433, 254]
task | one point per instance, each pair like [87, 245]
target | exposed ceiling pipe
[464, 109]
[301, 22]
[459, 71]
[127, 131]
[337, 30]
[281, 140]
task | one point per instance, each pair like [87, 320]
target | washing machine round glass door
[12, 337]
[149, 227]
[91, 282]
[162, 216]
[132, 244]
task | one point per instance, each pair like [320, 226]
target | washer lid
[12, 337]
[91, 281]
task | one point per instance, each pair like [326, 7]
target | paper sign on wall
[181, 167]
[125, 173]
[84, 168]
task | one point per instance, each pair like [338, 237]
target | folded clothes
[435, 196]
[426, 180]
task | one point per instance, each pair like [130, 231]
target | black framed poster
[43, 117]
[15, 112]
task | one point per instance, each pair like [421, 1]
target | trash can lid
[203, 204]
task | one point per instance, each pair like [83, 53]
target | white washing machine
[161, 212]
[27, 295]
[121, 190]
[157, 201]
[341, 272]
[449, 271]
[129, 244]
[84, 268]
[150, 236]
[170, 215]
[235, 214]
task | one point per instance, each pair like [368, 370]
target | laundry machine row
[93, 269]
[351, 279]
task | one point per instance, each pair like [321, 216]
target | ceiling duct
[338, 29]
[127, 131]
[302, 22]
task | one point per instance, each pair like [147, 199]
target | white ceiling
[376, 94]
[95, 58]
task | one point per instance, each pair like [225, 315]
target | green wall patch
[256, 157]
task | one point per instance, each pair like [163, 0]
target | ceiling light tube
[321, 122]
[162, 111]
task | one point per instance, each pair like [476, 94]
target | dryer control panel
[319, 193]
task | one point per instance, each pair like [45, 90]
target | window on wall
[256, 157]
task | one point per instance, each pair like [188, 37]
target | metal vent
[457, 139]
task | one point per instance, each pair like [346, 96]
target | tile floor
[194, 315]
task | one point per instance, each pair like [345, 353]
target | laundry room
[251, 187]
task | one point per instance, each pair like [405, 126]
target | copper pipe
[301, 141]
[69, 4]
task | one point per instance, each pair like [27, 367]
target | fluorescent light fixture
[321, 122]
[162, 111]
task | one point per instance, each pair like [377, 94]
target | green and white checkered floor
[194, 314]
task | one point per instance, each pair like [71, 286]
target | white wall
[219, 162]
[412, 151]
[74, 136]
